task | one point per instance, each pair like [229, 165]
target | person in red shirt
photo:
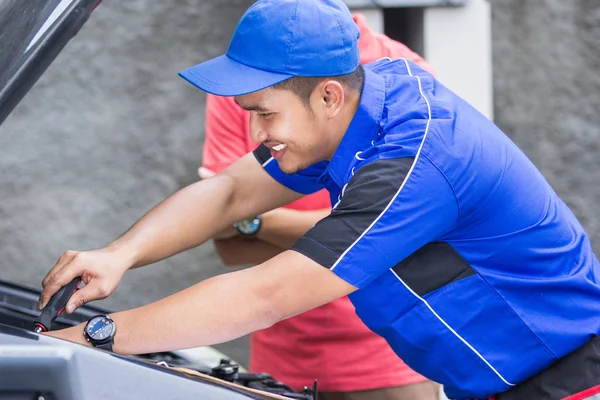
[329, 343]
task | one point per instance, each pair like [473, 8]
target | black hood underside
[32, 34]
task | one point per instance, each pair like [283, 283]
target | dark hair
[303, 86]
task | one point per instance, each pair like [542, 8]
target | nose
[257, 133]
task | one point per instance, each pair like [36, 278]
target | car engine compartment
[18, 309]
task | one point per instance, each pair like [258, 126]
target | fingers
[64, 259]
[205, 173]
[82, 296]
[94, 289]
[63, 272]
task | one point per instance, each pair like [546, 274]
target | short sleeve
[225, 133]
[389, 210]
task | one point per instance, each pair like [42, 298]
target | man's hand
[101, 270]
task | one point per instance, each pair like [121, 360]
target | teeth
[279, 147]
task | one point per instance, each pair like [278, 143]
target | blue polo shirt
[466, 260]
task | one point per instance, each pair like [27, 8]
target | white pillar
[458, 45]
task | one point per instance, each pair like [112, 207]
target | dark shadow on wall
[405, 25]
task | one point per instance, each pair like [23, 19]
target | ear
[332, 97]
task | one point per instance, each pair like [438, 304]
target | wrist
[127, 253]
[267, 225]
[73, 334]
[100, 331]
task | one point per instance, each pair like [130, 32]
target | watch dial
[249, 226]
[100, 328]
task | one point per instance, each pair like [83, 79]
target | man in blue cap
[450, 243]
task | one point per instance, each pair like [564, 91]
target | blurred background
[110, 129]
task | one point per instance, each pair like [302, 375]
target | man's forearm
[224, 307]
[219, 302]
[200, 315]
[196, 213]
[238, 251]
[183, 221]
[282, 227]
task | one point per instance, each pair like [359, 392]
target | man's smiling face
[296, 135]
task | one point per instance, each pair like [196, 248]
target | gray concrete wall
[546, 58]
[110, 130]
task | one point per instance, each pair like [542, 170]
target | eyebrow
[256, 107]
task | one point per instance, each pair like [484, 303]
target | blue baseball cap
[278, 39]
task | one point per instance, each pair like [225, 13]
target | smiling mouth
[277, 152]
[279, 147]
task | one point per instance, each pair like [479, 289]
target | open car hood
[32, 33]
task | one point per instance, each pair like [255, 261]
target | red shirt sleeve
[226, 133]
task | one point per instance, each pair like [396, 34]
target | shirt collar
[363, 128]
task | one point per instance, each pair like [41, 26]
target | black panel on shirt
[368, 193]
[262, 154]
[431, 267]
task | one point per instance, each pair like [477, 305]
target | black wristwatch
[249, 227]
[100, 332]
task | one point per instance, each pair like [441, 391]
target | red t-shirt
[329, 343]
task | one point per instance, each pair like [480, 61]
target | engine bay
[18, 309]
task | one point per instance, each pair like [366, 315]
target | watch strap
[104, 346]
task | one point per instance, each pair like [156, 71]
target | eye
[264, 115]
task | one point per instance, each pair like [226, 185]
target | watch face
[249, 226]
[100, 328]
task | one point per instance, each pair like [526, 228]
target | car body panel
[42, 364]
